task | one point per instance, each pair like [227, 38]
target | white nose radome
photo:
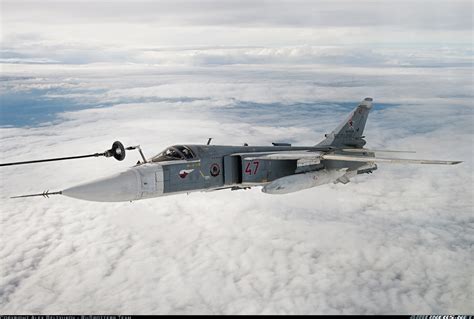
[121, 187]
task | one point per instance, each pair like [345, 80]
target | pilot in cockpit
[186, 153]
[174, 153]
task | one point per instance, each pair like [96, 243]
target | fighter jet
[278, 169]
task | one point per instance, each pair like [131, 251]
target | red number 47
[248, 168]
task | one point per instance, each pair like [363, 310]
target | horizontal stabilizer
[346, 158]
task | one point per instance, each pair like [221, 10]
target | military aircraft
[279, 169]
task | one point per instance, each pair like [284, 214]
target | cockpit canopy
[174, 153]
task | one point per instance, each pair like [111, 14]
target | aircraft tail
[349, 133]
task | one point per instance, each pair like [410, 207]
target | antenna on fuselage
[209, 141]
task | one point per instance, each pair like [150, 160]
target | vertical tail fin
[349, 133]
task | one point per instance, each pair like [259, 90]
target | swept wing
[337, 157]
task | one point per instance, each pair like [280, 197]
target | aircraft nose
[124, 186]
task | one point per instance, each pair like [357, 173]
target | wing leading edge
[316, 157]
[335, 157]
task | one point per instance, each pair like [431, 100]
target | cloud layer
[162, 73]
[53, 31]
[397, 241]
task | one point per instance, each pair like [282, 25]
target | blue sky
[77, 76]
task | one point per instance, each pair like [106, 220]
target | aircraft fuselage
[211, 167]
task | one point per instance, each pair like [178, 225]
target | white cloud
[412, 14]
[106, 31]
[396, 241]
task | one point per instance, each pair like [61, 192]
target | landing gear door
[232, 170]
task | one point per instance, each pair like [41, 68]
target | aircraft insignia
[215, 169]
[185, 172]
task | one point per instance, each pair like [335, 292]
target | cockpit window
[188, 154]
[173, 153]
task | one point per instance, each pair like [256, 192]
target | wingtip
[367, 103]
